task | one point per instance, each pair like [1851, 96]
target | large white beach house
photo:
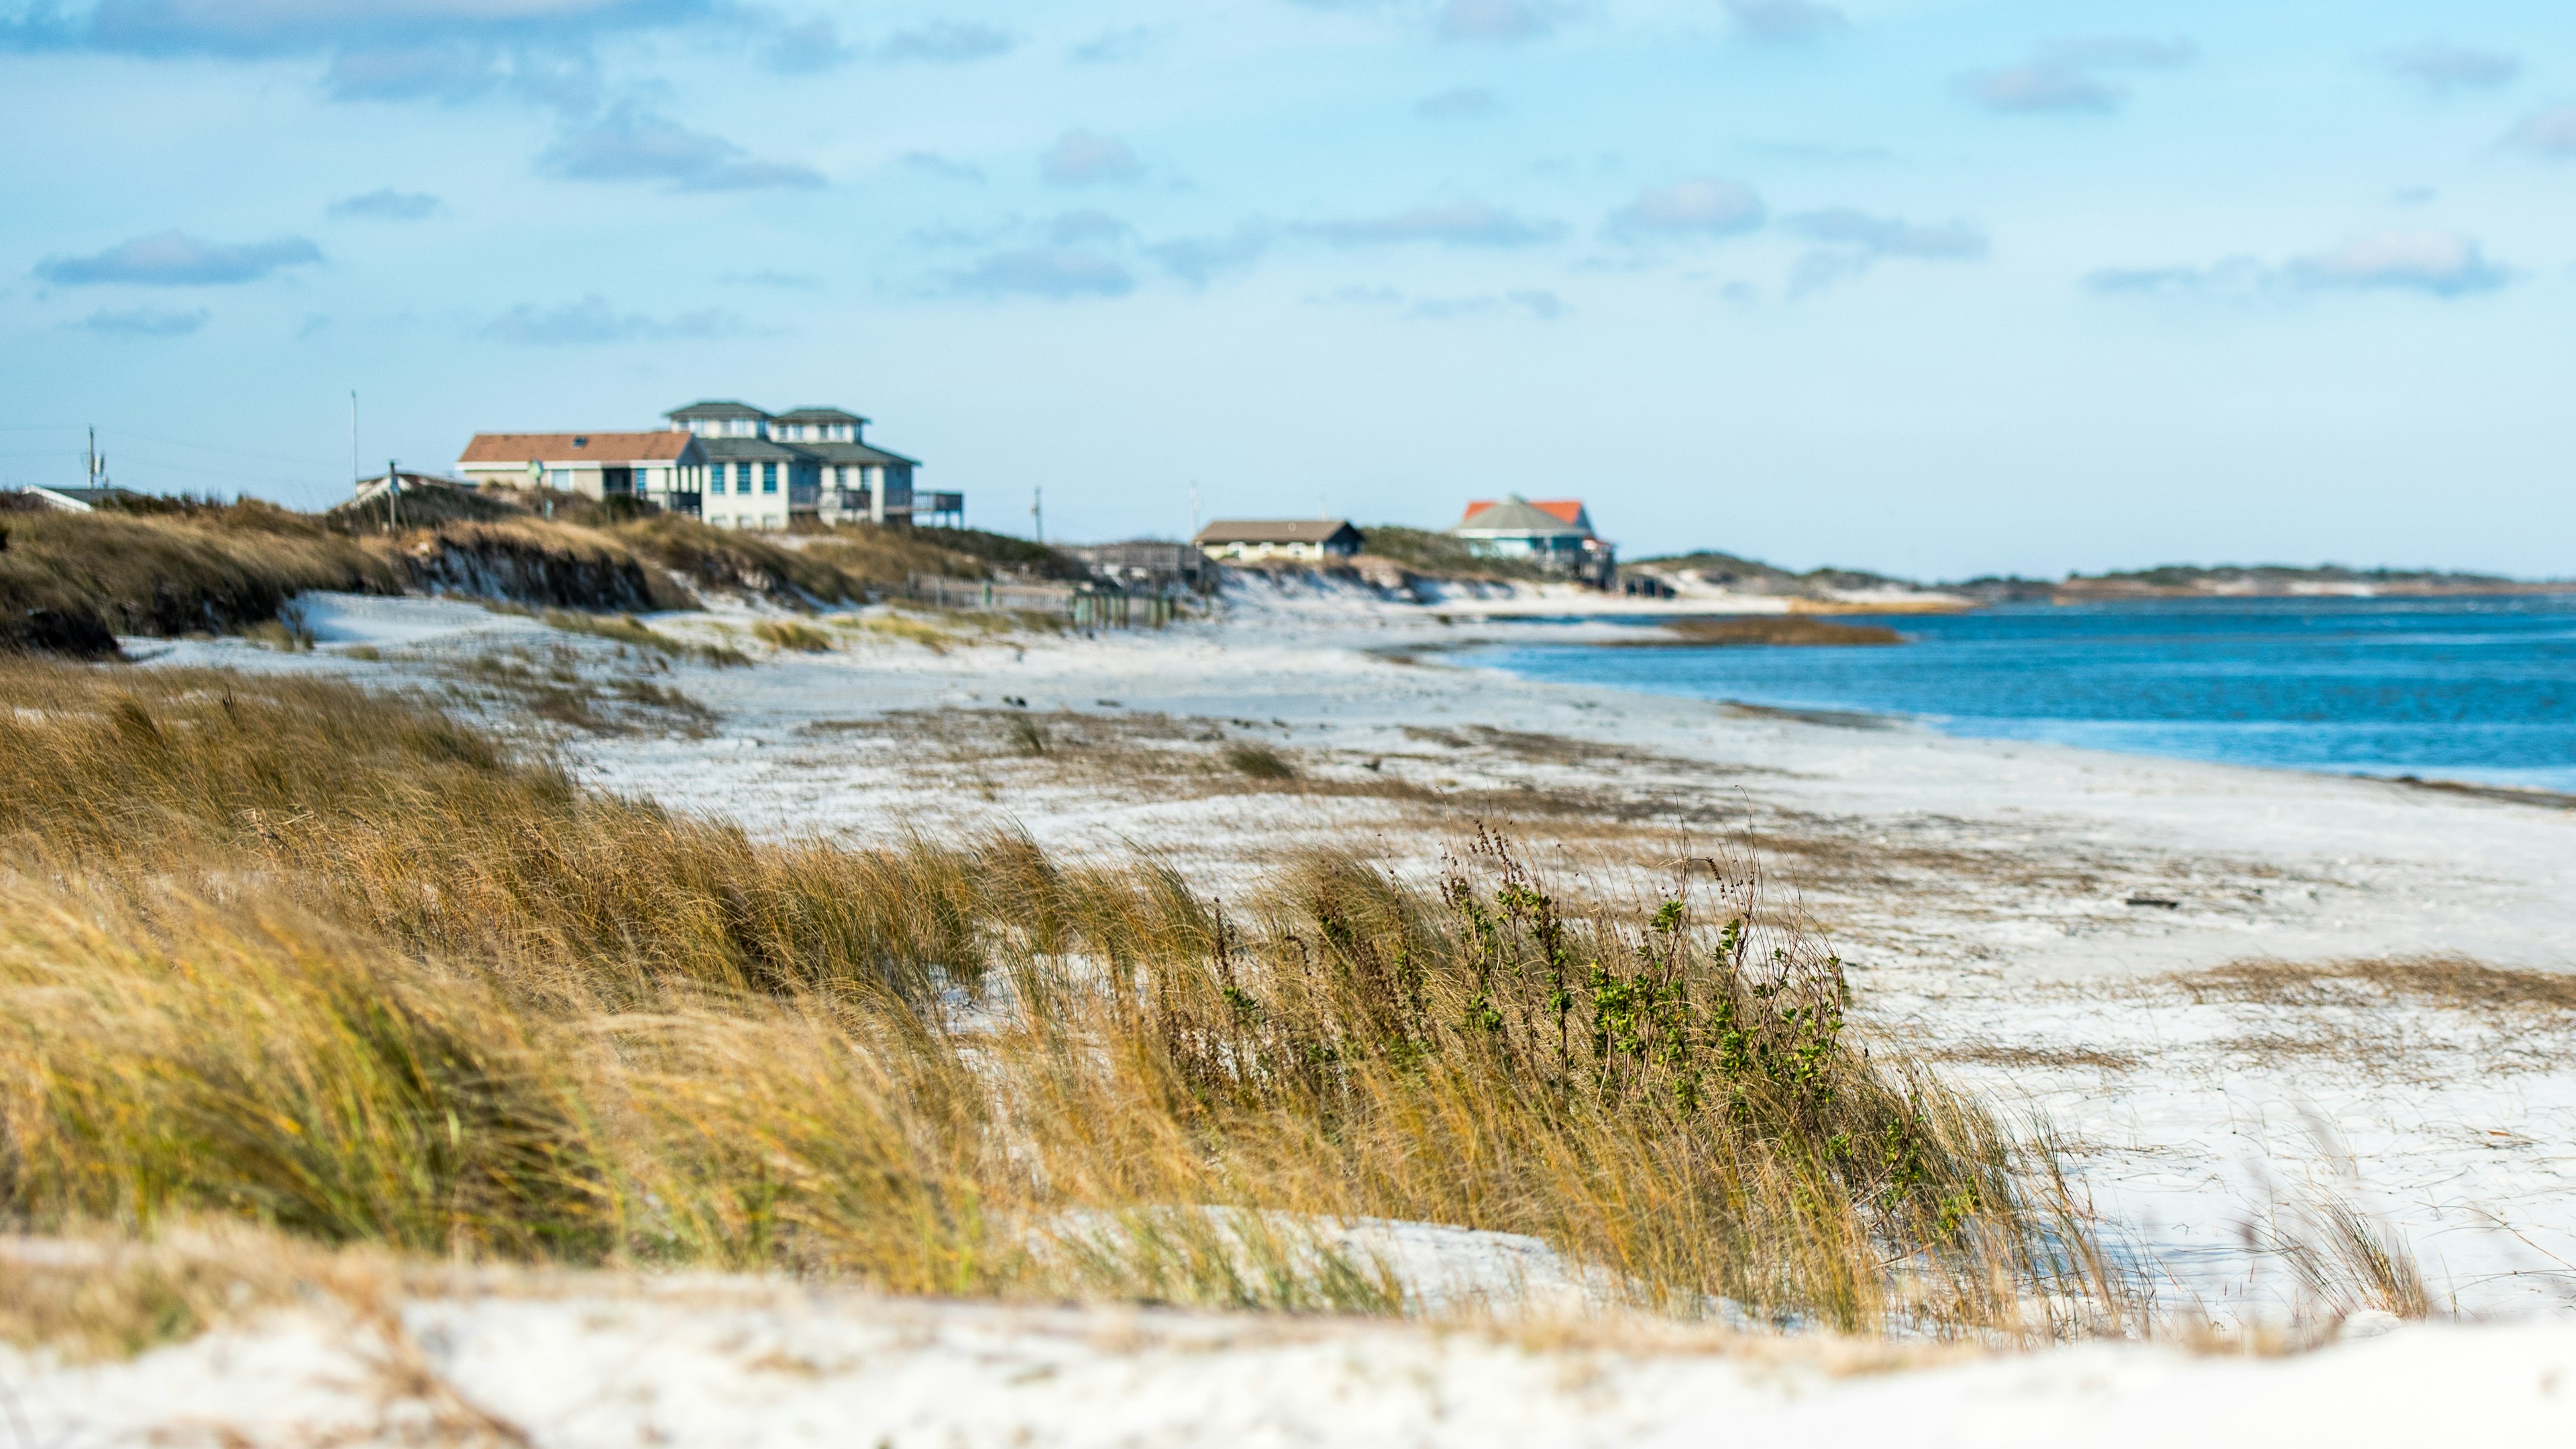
[727, 462]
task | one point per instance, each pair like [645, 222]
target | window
[768, 477]
[742, 477]
[558, 477]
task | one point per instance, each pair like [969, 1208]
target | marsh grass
[2452, 982]
[1259, 762]
[635, 633]
[2348, 1261]
[788, 635]
[281, 952]
[911, 630]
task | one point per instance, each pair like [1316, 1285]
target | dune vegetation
[70, 583]
[277, 950]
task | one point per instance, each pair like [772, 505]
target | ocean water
[2480, 690]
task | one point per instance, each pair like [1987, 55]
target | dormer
[820, 425]
[721, 419]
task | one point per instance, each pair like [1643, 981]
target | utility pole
[1037, 511]
[393, 495]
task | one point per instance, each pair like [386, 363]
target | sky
[1935, 287]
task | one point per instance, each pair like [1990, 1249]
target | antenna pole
[393, 494]
[1037, 511]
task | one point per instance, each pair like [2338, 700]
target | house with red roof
[1555, 533]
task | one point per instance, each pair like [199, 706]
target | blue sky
[1936, 286]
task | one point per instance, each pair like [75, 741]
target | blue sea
[2479, 690]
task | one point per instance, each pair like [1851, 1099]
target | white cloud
[2551, 133]
[941, 166]
[2430, 262]
[2066, 75]
[2441, 67]
[1085, 158]
[379, 50]
[1450, 223]
[173, 259]
[2433, 263]
[1112, 46]
[387, 205]
[808, 45]
[1496, 20]
[1544, 305]
[632, 144]
[1845, 242]
[1059, 273]
[1781, 22]
[592, 321]
[947, 42]
[1701, 206]
[144, 322]
[1200, 260]
[1456, 104]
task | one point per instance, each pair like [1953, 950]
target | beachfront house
[730, 463]
[660, 468]
[814, 461]
[1556, 534]
[1304, 540]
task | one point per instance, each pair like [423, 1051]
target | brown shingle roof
[661, 447]
[1274, 530]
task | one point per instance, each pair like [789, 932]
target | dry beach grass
[277, 950]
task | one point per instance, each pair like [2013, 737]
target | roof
[665, 446]
[750, 450]
[82, 498]
[1564, 510]
[852, 453]
[1516, 514]
[815, 415]
[716, 408]
[1275, 530]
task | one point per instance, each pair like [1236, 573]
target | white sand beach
[2216, 1074]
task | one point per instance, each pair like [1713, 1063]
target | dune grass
[213, 571]
[532, 562]
[889, 558]
[721, 558]
[788, 635]
[281, 951]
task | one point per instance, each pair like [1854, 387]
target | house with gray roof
[1556, 534]
[765, 468]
